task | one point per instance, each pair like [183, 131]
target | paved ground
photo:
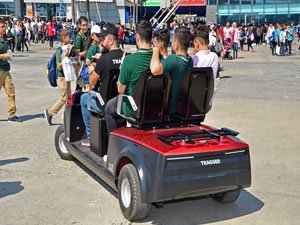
[258, 96]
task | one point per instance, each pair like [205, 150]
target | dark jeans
[51, 38]
[289, 44]
[242, 41]
[249, 42]
[111, 114]
[273, 44]
[12, 44]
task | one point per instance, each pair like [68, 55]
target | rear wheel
[129, 193]
[227, 197]
[59, 144]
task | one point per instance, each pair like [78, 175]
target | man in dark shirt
[111, 60]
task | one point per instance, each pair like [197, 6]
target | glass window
[223, 10]
[246, 2]
[223, 2]
[270, 1]
[282, 8]
[246, 8]
[2, 11]
[270, 9]
[283, 1]
[10, 11]
[41, 9]
[63, 10]
[10, 5]
[258, 1]
[294, 1]
[211, 2]
[294, 8]
[233, 9]
[259, 9]
[234, 2]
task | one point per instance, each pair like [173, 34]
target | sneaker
[14, 119]
[105, 158]
[48, 117]
[86, 142]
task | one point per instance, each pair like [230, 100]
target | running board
[92, 161]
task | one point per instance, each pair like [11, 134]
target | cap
[95, 29]
[109, 29]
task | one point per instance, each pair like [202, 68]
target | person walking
[5, 77]
[50, 32]
[250, 38]
[64, 87]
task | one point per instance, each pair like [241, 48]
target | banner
[192, 2]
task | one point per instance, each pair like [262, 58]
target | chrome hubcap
[125, 193]
[61, 144]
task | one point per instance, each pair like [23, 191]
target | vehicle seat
[106, 90]
[195, 96]
[147, 101]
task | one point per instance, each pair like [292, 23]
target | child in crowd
[64, 87]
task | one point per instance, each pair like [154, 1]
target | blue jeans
[85, 111]
[235, 49]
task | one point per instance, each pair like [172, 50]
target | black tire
[59, 145]
[129, 194]
[227, 197]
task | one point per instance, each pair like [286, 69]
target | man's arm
[121, 88]
[156, 66]
[94, 77]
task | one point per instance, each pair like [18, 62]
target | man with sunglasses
[110, 60]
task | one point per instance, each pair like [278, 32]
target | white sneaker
[105, 158]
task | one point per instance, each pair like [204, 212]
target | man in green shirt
[176, 65]
[5, 77]
[132, 68]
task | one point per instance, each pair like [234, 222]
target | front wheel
[227, 197]
[59, 144]
[129, 193]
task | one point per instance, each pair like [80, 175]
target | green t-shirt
[132, 68]
[4, 64]
[93, 50]
[59, 58]
[79, 43]
[177, 67]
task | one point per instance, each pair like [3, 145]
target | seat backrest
[108, 86]
[195, 95]
[149, 95]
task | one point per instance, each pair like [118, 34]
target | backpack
[52, 72]
[9, 35]
[84, 74]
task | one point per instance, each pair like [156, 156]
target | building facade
[100, 10]
[253, 11]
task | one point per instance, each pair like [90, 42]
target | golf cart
[154, 157]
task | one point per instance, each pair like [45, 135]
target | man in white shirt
[235, 36]
[203, 56]
[227, 31]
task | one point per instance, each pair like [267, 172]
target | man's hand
[97, 56]
[6, 56]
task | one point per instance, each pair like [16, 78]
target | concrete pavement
[258, 96]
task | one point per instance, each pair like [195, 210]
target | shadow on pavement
[204, 211]
[97, 179]
[10, 188]
[9, 161]
[31, 117]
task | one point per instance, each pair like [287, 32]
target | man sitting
[176, 65]
[162, 40]
[131, 70]
[111, 60]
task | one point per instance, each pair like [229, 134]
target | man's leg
[111, 114]
[64, 92]
[10, 91]
[86, 114]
